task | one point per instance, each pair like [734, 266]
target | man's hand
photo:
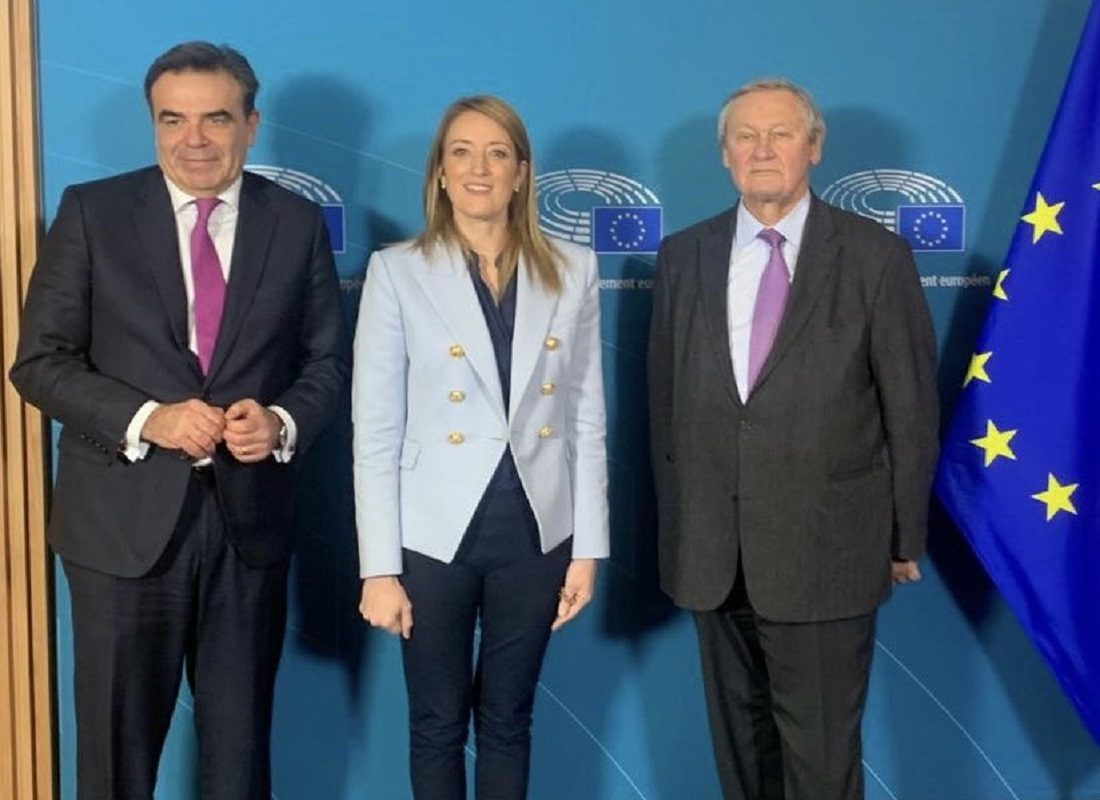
[251, 431]
[191, 426]
[904, 571]
[384, 604]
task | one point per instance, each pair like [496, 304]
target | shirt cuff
[133, 449]
[284, 454]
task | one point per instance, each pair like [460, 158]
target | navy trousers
[500, 579]
[200, 608]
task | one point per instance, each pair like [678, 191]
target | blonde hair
[524, 237]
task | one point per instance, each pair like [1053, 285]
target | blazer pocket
[410, 452]
[848, 472]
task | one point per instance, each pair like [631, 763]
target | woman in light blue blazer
[479, 448]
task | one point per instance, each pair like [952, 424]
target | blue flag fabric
[1020, 466]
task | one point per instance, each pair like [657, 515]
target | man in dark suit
[794, 422]
[184, 325]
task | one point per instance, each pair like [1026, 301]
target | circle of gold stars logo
[930, 228]
[628, 230]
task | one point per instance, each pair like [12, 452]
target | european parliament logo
[313, 189]
[924, 210]
[609, 212]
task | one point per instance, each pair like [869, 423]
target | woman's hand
[576, 592]
[385, 605]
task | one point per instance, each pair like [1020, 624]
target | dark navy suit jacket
[105, 329]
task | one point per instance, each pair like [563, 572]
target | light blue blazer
[429, 419]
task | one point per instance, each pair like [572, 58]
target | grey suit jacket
[823, 474]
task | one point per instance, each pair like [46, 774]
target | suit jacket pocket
[857, 509]
[850, 471]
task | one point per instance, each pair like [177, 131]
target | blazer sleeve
[586, 416]
[378, 407]
[903, 360]
[52, 368]
[323, 355]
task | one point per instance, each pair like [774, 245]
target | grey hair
[815, 122]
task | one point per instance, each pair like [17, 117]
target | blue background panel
[960, 706]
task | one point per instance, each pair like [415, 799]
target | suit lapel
[155, 228]
[534, 308]
[256, 221]
[450, 291]
[816, 257]
[713, 265]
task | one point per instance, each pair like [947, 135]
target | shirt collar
[231, 195]
[791, 226]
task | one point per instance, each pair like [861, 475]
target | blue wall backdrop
[942, 105]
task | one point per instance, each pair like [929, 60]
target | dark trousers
[202, 608]
[785, 702]
[501, 579]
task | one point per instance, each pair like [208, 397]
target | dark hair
[206, 57]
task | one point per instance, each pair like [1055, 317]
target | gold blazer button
[457, 351]
[547, 389]
[456, 396]
[552, 343]
[545, 432]
[456, 438]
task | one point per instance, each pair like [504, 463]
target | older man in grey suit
[794, 417]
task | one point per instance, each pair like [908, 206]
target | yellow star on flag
[1096, 186]
[995, 443]
[1056, 497]
[976, 370]
[1043, 218]
[999, 287]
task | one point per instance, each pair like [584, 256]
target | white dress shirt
[748, 257]
[222, 227]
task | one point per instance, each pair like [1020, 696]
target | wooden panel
[27, 768]
[10, 425]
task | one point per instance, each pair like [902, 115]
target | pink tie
[206, 272]
[771, 298]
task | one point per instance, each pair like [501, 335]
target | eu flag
[626, 229]
[933, 227]
[1020, 468]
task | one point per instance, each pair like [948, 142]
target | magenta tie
[206, 273]
[771, 298]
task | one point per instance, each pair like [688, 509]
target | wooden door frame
[27, 732]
